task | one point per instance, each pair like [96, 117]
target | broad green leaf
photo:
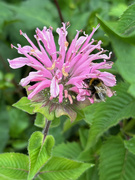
[18, 121]
[39, 152]
[126, 23]
[40, 120]
[83, 133]
[14, 166]
[89, 113]
[131, 89]
[58, 168]
[115, 161]
[109, 113]
[91, 173]
[90, 154]
[57, 133]
[25, 105]
[68, 150]
[130, 145]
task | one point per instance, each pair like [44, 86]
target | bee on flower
[65, 76]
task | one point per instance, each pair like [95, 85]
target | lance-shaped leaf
[14, 166]
[58, 168]
[115, 161]
[39, 152]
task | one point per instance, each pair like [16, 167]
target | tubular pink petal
[62, 41]
[18, 62]
[97, 66]
[70, 99]
[61, 93]
[33, 86]
[89, 37]
[42, 85]
[44, 57]
[54, 88]
[108, 79]
[71, 49]
[33, 76]
[66, 93]
[28, 39]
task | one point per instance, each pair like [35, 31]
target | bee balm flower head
[59, 75]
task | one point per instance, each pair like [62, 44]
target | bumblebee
[97, 88]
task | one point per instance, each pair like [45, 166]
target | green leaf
[130, 145]
[18, 121]
[126, 23]
[40, 120]
[115, 161]
[58, 168]
[68, 150]
[131, 89]
[14, 166]
[109, 113]
[83, 133]
[123, 42]
[57, 133]
[25, 105]
[39, 152]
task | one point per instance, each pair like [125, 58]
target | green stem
[46, 129]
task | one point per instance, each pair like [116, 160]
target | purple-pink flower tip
[12, 46]
[21, 32]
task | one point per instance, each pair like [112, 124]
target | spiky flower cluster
[60, 73]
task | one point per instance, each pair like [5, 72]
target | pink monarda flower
[60, 74]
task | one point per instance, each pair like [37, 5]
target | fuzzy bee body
[97, 88]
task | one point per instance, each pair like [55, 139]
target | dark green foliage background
[105, 134]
